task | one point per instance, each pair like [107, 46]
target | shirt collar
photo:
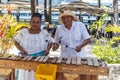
[73, 25]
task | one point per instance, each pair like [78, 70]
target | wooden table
[67, 69]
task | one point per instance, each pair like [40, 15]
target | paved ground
[88, 50]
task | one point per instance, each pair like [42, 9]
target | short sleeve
[85, 34]
[19, 36]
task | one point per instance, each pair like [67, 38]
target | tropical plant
[97, 25]
[8, 28]
[104, 49]
[107, 52]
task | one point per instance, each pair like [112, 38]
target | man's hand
[55, 46]
[78, 49]
[85, 42]
[46, 52]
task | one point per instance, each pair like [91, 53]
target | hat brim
[60, 20]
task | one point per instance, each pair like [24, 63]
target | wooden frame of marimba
[70, 68]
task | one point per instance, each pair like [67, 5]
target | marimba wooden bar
[67, 68]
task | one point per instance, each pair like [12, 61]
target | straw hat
[67, 13]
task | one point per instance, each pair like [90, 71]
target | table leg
[94, 77]
[13, 74]
[85, 77]
[59, 76]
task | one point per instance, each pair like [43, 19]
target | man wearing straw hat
[72, 36]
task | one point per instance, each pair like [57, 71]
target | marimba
[71, 67]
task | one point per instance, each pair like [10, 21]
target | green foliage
[105, 50]
[98, 23]
[114, 28]
[8, 28]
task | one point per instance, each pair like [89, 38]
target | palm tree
[49, 12]
[99, 3]
[32, 6]
[0, 11]
[36, 4]
[115, 9]
[45, 11]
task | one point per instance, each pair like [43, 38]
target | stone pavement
[114, 73]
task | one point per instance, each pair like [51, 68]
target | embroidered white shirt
[33, 43]
[69, 39]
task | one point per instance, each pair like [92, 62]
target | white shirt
[33, 43]
[72, 38]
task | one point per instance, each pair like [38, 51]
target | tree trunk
[115, 9]
[99, 3]
[49, 12]
[80, 17]
[36, 5]
[32, 6]
[0, 11]
[45, 11]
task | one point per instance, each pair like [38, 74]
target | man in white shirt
[72, 36]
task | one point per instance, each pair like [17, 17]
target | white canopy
[79, 6]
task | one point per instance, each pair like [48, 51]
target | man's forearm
[85, 42]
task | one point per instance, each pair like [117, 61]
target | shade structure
[80, 6]
[110, 10]
[21, 5]
[18, 5]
